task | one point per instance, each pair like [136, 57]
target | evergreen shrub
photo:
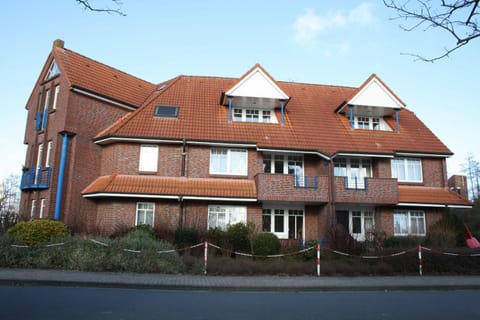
[38, 231]
[265, 243]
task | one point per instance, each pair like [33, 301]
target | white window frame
[363, 214]
[410, 216]
[262, 115]
[365, 170]
[298, 171]
[42, 207]
[141, 213]
[47, 100]
[370, 123]
[406, 169]
[148, 160]
[55, 97]
[284, 212]
[39, 163]
[231, 215]
[33, 208]
[49, 153]
[53, 70]
[229, 168]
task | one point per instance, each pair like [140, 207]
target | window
[285, 223]
[166, 111]
[148, 158]
[145, 213]
[285, 164]
[42, 208]
[251, 115]
[407, 170]
[33, 208]
[254, 115]
[361, 222]
[49, 152]
[55, 97]
[370, 123]
[228, 161]
[355, 170]
[39, 163]
[52, 71]
[409, 223]
[223, 216]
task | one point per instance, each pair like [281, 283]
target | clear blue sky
[325, 42]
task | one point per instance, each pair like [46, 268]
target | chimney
[58, 43]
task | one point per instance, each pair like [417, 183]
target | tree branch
[459, 18]
[87, 6]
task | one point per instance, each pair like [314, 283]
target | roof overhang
[163, 196]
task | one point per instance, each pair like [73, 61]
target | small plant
[238, 236]
[186, 237]
[38, 231]
[338, 238]
[143, 228]
[266, 243]
[402, 242]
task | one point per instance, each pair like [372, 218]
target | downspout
[282, 106]
[352, 120]
[332, 191]
[230, 109]
[397, 121]
[181, 208]
[61, 173]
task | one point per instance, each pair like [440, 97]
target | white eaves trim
[159, 196]
[363, 155]
[139, 140]
[408, 204]
[293, 152]
[93, 95]
[374, 94]
[431, 155]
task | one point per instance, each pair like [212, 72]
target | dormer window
[53, 70]
[254, 115]
[370, 123]
[254, 98]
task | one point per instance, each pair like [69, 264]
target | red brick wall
[434, 172]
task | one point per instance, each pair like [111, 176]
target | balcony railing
[356, 183]
[35, 178]
[285, 187]
[366, 190]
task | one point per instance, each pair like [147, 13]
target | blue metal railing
[356, 183]
[35, 178]
[306, 182]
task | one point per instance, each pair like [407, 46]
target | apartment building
[106, 149]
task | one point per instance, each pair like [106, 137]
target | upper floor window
[228, 161]
[49, 153]
[53, 70]
[407, 170]
[354, 169]
[55, 97]
[148, 158]
[370, 123]
[254, 115]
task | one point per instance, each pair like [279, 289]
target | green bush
[403, 242]
[144, 228]
[186, 237]
[38, 231]
[265, 243]
[237, 236]
[446, 232]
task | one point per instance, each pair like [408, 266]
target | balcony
[283, 187]
[366, 190]
[35, 178]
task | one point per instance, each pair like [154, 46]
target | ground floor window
[145, 213]
[285, 223]
[358, 222]
[409, 223]
[223, 216]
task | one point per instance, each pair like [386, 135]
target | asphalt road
[44, 302]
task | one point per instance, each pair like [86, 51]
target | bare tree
[458, 18]
[471, 168]
[9, 201]
[87, 6]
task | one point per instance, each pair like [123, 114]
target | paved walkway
[242, 283]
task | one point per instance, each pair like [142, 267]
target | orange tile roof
[311, 122]
[172, 186]
[96, 77]
[426, 195]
